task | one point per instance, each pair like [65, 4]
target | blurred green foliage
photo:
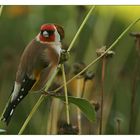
[20, 24]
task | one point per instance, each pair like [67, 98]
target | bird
[38, 61]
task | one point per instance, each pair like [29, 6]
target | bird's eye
[45, 34]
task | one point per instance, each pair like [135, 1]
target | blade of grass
[98, 58]
[1, 8]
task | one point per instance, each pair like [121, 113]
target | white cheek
[58, 49]
[57, 36]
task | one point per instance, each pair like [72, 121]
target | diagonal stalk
[98, 58]
[31, 114]
[80, 28]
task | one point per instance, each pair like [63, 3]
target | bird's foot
[64, 56]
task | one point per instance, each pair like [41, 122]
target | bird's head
[51, 33]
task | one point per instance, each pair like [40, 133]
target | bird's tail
[8, 112]
[10, 107]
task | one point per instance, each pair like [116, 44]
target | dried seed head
[135, 34]
[65, 128]
[89, 75]
[78, 67]
[118, 120]
[137, 39]
[119, 117]
[96, 105]
[110, 54]
[102, 50]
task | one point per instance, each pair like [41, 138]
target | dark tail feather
[25, 87]
[6, 117]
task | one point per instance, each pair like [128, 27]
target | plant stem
[102, 93]
[49, 122]
[118, 126]
[55, 115]
[98, 58]
[38, 103]
[79, 94]
[81, 27]
[133, 108]
[66, 94]
[79, 121]
[83, 89]
[1, 8]
[133, 99]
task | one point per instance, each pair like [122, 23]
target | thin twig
[102, 93]
[98, 58]
[66, 94]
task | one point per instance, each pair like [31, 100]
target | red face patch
[48, 28]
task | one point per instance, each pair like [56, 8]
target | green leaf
[84, 105]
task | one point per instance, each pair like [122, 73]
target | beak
[45, 34]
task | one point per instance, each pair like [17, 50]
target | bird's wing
[53, 57]
[25, 78]
[29, 60]
[44, 75]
